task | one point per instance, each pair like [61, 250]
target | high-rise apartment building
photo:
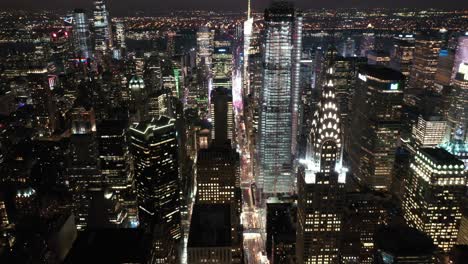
[433, 195]
[375, 125]
[153, 145]
[279, 98]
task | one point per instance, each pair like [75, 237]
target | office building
[281, 230]
[222, 63]
[82, 175]
[461, 53]
[115, 165]
[82, 35]
[321, 184]
[433, 195]
[402, 56]
[458, 112]
[445, 66]
[279, 98]
[103, 40]
[403, 245]
[364, 213]
[375, 125]
[218, 183]
[378, 57]
[222, 115]
[210, 236]
[154, 148]
[429, 131]
[425, 58]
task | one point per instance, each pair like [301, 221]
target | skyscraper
[222, 115]
[222, 64]
[153, 145]
[458, 112]
[461, 53]
[218, 183]
[102, 27]
[425, 58]
[82, 35]
[433, 195]
[205, 39]
[375, 125]
[321, 184]
[402, 56]
[82, 172]
[114, 162]
[279, 98]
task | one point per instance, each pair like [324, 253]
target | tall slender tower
[321, 183]
[102, 27]
[81, 34]
[278, 102]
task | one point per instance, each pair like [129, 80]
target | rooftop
[381, 72]
[210, 226]
[440, 156]
[403, 241]
[110, 246]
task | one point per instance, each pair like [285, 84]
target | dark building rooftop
[110, 246]
[441, 156]
[401, 240]
[210, 226]
[381, 72]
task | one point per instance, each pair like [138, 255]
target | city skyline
[280, 135]
[120, 7]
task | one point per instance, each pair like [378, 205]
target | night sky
[127, 6]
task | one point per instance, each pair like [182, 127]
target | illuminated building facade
[364, 213]
[425, 58]
[375, 125]
[461, 54]
[82, 35]
[218, 183]
[114, 162]
[205, 45]
[222, 64]
[279, 98]
[458, 112]
[402, 56]
[321, 184]
[429, 131]
[153, 145]
[433, 195]
[103, 40]
[218, 176]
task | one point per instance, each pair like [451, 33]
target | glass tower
[102, 27]
[82, 35]
[279, 98]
